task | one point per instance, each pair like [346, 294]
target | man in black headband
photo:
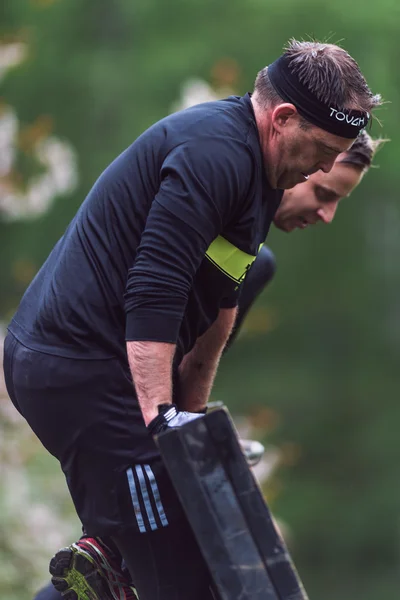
[310, 105]
[120, 333]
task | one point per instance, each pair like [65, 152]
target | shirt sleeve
[202, 188]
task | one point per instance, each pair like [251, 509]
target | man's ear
[282, 115]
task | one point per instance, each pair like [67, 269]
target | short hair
[328, 71]
[362, 151]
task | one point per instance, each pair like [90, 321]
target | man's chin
[290, 180]
[286, 227]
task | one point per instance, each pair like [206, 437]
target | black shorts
[86, 414]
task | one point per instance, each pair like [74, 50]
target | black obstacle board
[245, 553]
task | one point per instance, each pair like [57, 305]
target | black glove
[169, 416]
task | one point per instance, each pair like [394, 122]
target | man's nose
[327, 213]
[327, 165]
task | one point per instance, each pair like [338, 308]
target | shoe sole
[76, 576]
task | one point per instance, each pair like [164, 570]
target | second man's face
[317, 198]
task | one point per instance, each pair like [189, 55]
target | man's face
[297, 153]
[317, 198]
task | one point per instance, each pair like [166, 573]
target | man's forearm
[151, 368]
[198, 368]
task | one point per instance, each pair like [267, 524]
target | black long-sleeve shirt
[161, 242]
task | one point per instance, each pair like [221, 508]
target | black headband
[344, 123]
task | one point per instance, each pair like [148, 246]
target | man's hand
[169, 416]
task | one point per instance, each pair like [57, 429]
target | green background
[316, 367]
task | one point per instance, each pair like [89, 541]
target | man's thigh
[166, 564]
[86, 414]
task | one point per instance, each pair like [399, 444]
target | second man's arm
[198, 368]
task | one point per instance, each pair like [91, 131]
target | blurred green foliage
[321, 349]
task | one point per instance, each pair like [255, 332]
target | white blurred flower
[56, 156]
[8, 134]
[194, 91]
[60, 160]
[60, 176]
[11, 55]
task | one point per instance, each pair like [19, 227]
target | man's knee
[267, 264]
[48, 593]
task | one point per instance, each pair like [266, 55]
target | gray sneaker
[252, 450]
